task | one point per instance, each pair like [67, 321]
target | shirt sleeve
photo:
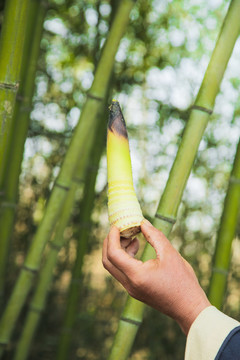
[208, 333]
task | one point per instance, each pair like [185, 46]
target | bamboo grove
[63, 183]
[118, 44]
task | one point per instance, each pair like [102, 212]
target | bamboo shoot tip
[116, 120]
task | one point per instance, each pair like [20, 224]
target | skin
[166, 283]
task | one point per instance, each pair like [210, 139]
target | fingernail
[146, 222]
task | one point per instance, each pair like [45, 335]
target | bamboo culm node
[123, 207]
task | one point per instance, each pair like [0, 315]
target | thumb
[155, 237]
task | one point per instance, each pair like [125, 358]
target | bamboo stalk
[78, 152]
[18, 136]
[11, 51]
[167, 209]
[225, 236]
[87, 204]
[38, 302]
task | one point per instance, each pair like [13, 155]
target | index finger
[117, 256]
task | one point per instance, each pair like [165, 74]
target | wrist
[191, 312]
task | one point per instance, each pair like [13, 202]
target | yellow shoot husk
[123, 207]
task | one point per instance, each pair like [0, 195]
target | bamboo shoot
[123, 207]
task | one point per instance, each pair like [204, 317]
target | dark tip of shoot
[116, 120]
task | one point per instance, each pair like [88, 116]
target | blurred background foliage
[159, 67]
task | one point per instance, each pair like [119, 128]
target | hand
[167, 283]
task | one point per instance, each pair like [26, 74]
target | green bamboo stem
[167, 209]
[226, 232]
[78, 152]
[85, 226]
[38, 302]
[18, 136]
[11, 51]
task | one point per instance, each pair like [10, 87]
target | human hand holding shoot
[167, 283]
